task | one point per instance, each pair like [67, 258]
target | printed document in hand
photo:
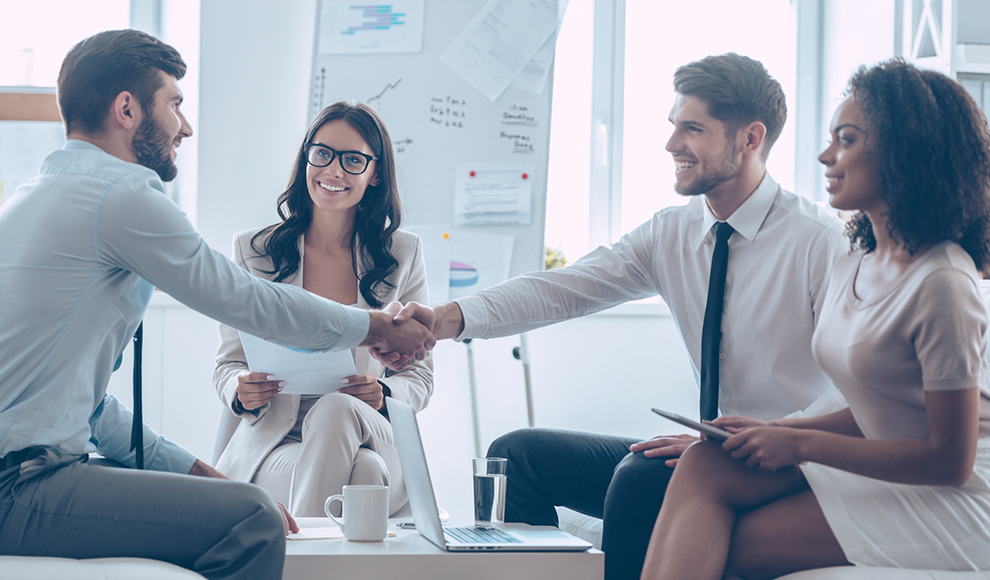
[304, 373]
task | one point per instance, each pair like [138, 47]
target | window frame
[606, 123]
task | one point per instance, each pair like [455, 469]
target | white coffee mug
[364, 512]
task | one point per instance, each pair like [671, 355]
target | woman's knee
[335, 409]
[336, 403]
[705, 468]
[369, 468]
[702, 455]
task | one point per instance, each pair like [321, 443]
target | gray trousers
[220, 529]
[588, 473]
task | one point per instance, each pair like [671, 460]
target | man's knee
[253, 533]
[513, 442]
[637, 488]
[256, 500]
[637, 473]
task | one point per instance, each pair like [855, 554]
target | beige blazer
[261, 430]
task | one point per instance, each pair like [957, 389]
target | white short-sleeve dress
[927, 333]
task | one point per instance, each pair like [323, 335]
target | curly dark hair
[933, 149]
[378, 214]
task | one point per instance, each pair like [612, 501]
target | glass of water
[489, 491]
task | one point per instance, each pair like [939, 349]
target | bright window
[656, 45]
[658, 37]
[570, 134]
[37, 34]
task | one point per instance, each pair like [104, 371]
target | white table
[410, 556]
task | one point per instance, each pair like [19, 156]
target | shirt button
[721, 356]
[730, 404]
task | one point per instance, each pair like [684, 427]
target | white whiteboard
[437, 121]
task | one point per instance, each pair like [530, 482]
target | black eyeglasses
[353, 162]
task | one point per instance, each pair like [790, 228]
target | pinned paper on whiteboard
[460, 262]
[499, 42]
[436, 254]
[533, 77]
[478, 261]
[493, 193]
[370, 28]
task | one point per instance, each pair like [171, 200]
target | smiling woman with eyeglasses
[339, 239]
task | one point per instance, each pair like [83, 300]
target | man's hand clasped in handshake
[400, 333]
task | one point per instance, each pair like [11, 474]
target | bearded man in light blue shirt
[84, 244]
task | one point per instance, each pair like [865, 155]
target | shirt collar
[80, 144]
[746, 220]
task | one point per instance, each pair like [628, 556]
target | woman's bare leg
[709, 488]
[784, 536]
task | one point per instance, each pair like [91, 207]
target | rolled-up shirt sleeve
[110, 427]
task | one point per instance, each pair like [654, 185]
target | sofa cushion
[36, 568]
[587, 528]
[865, 573]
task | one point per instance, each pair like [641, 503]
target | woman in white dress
[901, 477]
[339, 239]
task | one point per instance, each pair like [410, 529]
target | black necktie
[137, 427]
[711, 331]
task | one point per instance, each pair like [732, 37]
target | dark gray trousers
[588, 473]
[221, 529]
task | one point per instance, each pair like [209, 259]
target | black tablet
[710, 431]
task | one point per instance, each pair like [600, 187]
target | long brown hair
[378, 214]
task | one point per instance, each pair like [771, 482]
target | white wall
[854, 33]
[254, 65]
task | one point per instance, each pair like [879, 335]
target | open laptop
[424, 504]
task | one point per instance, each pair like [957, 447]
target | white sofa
[590, 529]
[31, 568]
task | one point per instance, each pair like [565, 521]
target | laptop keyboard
[481, 536]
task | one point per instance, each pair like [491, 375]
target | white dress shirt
[779, 258]
[83, 244]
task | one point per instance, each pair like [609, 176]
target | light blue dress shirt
[82, 246]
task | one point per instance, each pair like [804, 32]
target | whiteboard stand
[473, 392]
[521, 353]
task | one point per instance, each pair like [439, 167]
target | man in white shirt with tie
[727, 114]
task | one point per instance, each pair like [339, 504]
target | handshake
[399, 334]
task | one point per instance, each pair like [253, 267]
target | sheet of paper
[533, 77]
[348, 27]
[436, 253]
[493, 193]
[304, 373]
[498, 42]
[478, 261]
[332, 533]
[329, 533]
[319, 529]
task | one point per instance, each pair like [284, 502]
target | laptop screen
[412, 457]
